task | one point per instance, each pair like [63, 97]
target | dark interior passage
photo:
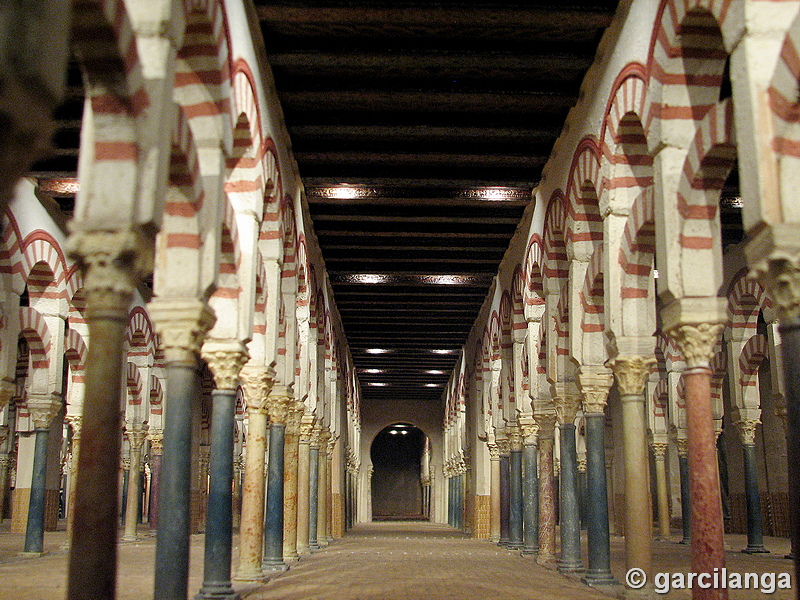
[396, 460]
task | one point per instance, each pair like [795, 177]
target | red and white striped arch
[753, 354]
[75, 352]
[746, 298]
[140, 336]
[711, 157]
[517, 299]
[11, 255]
[44, 268]
[35, 331]
[661, 398]
[688, 50]
[718, 364]
[133, 382]
[556, 264]
[156, 396]
[592, 296]
[202, 72]
[638, 248]
[584, 225]
[533, 292]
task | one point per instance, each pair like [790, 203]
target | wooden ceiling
[420, 130]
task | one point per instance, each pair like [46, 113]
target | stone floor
[386, 561]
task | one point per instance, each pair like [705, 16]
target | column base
[685, 541]
[599, 578]
[570, 567]
[270, 567]
[249, 576]
[217, 591]
[291, 559]
[755, 550]
[31, 554]
[128, 538]
[529, 551]
[503, 542]
[514, 545]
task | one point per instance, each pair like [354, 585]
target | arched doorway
[400, 480]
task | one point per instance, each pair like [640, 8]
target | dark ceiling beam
[420, 159]
[417, 133]
[485, 103]
[464, 19]
[377, 248]
[320, 217]
[416, 64]
[322, 232]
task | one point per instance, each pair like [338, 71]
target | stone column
[322, 490]
[631, 373]
[224, 360]
[257, 382]
[682, 446]
[547, 496]
[515, 487]
[505, 476]
[696, 343]
[156, 437]
[494, 507]
[181, 325]
[290, 481]
[113, 263]
[43, 407]
[136, 435]
[303, 483]
[280, 404]
[566, 409]
[313, 489]
[755, 535]
[530, 491]
[595, 384]
[331, 507]
[660, 455]
[75, 423]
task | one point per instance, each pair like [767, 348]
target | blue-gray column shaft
[460, 501]
[790, 350]
[504, 499]
[313, 497]
[172, 541]
[530, 502]
[219, 514]
[34, 531]
[755, 535]
[686, 507]
[515, 500]
[596, 502]
[570, 517]
[450, 510]
[273, 520]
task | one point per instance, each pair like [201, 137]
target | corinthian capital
[181, 325]
[225, 359]
[631, 373]
[113, 263]
[594, 384]
[780, 276]
[747, 429]
[136, 432]
[43, 407]
[257, 382]
[280, 403]
[567, 405]
[494, 452]
[697, 342]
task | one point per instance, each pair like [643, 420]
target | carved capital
[594, 385]
[631, 373]
[503, 446]
[514, 437]
[74, 421]
[136, 433]
[529, 429]
[494, 452]
[307, 425]
[256, 382]
[181, 325]
[156, 437]
[659, 449]
[697, 342]
[682, 445]
[547, 425]
[747, 429]
[582, 464]
[43, 407]
[780, 276]
[296, 412]
[113, 263]
[280, 403]
[225, 358]
[567, 406]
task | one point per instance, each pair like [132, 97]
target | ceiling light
[434, 372]
[377, 384]
[377, 351]
[433, 385]
[373, 371]
[342, 193]
[369, 278]
[404, 431]
[393, 431]
[444, 351]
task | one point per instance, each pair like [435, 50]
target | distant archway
[399, 465]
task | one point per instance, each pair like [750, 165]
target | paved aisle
[418, 561]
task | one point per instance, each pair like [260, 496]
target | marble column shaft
[494, 499]
[291, 449]
[313, 494]
[686, 506]
[547, 497]
[530, 499]
[303, 485]
[156, 449]
[505, 497]
[755, 535]
[515, 506]
[280, 405]
[660, 455]
[257, 382]
[322, 493]
[136, 437]
[570, 529]
[34, 530]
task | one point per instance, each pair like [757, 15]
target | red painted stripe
[183, 240]
[116, 151]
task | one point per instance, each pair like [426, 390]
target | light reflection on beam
[411, 279]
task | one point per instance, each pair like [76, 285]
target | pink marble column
[547, 496]
[292, 444]
[708, 548]
[494, 500]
